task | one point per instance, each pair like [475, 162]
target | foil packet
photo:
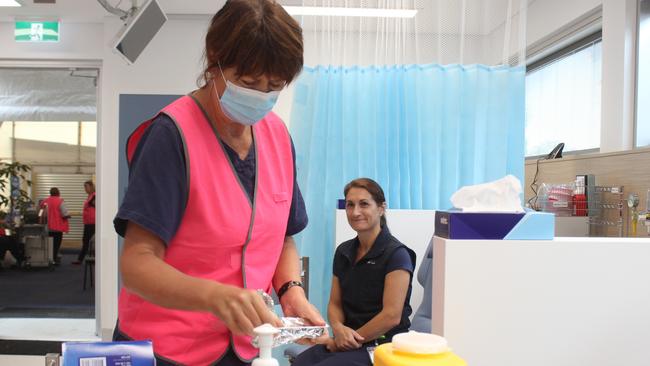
[292, 328]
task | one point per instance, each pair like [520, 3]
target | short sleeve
[337, 264]
[156, 195]
[297, 213]
[400, 259]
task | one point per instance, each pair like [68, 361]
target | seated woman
[371, 286]
[9, 243]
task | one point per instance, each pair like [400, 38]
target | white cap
[420, 343]
[266, 329]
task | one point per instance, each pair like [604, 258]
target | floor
[48, 329]
[46, 293]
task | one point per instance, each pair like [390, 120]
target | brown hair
[54, 191]
[90, 184]
[257, 37]
[373, 188]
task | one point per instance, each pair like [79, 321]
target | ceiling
[90, 11]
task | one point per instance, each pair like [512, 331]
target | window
[563, 99]
[42, 143]
[643, 77]
[88, 134]
[52, 132]
[6, 144]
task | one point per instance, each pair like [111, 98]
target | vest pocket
[280, 197]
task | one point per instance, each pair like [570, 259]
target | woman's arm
[294, 302]
[335, 307]
[345, 338]
[64, 211]
[145, 273]
[288, 268]
[396, 286]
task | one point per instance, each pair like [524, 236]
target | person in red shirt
[57, 219]
[88, 220]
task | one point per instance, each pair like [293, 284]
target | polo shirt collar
[375, 251]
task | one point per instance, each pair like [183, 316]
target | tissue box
[495, 225]
[128, 353]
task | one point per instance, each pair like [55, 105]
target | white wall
[619, 78]
[79, 41]
[618, 59]
[546, 16]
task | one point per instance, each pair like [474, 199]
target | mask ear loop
[221, 71]
[216, 93]
[214, 86]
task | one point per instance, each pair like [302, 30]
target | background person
[371, 286]
[88, 220]
[57, 220]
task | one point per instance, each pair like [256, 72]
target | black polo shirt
[362, 283]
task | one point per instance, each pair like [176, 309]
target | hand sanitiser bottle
[265, 335]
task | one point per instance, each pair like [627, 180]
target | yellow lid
[386, 355]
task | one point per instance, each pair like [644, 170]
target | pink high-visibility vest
[89, 210]
[223, 235]
[55, 220]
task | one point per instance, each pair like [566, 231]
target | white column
[619, 69]
[106, 282]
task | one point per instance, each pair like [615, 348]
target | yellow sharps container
[416, 349]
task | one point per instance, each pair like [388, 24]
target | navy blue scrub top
[362, 283]
[157, 192]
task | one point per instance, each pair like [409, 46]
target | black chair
[89, 264]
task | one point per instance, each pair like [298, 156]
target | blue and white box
[129, 353]
[530, 225]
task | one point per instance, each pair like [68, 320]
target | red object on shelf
[580, 204]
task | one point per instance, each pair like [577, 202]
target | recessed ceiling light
[12, 3]
[350, 12]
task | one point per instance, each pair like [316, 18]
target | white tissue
[501, 195]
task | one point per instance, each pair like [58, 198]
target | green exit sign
[28, 31]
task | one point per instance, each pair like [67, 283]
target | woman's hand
[346, 338]
[295, 304]
[330, 344]
[242, 310]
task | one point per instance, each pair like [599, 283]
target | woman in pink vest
[212, 200]
[88, 220]
[57, 219]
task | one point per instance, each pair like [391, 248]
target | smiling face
[362, 211]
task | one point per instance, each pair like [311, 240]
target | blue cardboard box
[129, 353]
[530, 225]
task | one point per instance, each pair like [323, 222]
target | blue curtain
[421, 131]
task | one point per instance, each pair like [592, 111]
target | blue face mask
[243, 105]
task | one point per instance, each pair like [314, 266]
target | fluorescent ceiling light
[350, 12]
[13, 3]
